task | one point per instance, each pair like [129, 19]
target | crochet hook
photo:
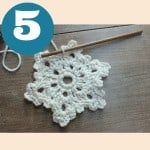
[82, 46]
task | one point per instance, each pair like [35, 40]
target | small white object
[54, 45]
[68, 84]
[4, 52]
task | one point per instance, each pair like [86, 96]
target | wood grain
[127, 87]
[63, 29]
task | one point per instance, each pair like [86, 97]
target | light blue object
[4, 53]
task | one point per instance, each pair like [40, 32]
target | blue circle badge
[27, 28]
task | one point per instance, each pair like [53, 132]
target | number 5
[22, 18]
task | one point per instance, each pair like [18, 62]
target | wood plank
[127, 88]
[63, 29]
[94, 35]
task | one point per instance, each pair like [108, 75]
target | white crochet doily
[68, 84]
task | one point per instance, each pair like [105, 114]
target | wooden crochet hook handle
[122, 36]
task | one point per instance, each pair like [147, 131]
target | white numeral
[23, 18]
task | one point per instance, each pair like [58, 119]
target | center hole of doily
[67, 79]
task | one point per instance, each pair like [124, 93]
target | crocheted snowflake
[68, 84]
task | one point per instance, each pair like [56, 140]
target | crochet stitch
[67, 84]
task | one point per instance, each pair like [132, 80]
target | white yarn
[67, 99]
[5, 52]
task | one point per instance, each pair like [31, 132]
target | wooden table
[127, 87]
